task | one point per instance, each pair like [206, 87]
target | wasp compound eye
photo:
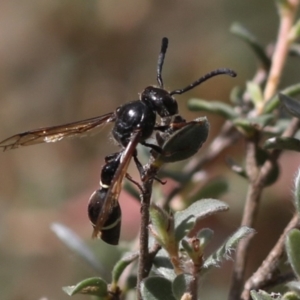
[160, 100]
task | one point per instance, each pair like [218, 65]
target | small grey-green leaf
[243, 33]
[292, 105]
[290, 296]
[295, 31]
[292, 246]
[181, 285]
[294, 286]
[185, 142]
[197, 211]
[157, 288]
[76, 244]
[173, 174]
[224, 252]
[91, 286]
[215, 107]
[245, 126]
[249, 126]
[236, 95]
[274, 102]
[119, 267]
[262, 120]
[215, 187]
[261, 295]
[163, 265]
[255, 92]
[205, 235]
[285, 143]
[235, 167]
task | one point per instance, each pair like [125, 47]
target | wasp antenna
[161, 59]
[204, 78]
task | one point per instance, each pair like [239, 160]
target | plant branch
[225, 139]
[267, 271]
[287, 12]
[144, 258]
[250, 212]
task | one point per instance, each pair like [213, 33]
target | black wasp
[134, 123]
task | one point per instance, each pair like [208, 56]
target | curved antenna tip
[232, 73]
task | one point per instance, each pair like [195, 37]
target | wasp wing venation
[116, 184]
[55, 133]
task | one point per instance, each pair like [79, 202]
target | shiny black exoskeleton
[138, 115]
[141, 114]
[110, 232]
[134, 122]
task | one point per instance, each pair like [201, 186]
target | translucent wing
[116, 184]
[55, 133]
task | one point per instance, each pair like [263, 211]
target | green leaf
[245, 126]
[250, 126]
[255, 93]
[186, 219]
[222, 109]
[295, 32]
[285, 143]
[294, 286]
[260, 295]
[261, 157]
[274, 102]
[162, 228]
[184, 143]
[120, 266]
[215, 187]
[77, 245]
[173, 174]
[95, 286]
[157, 288]
[290, 296]
[292, 105]
[276, 129]
[262, 120]
[236, 168]
[181, 285]
[163, 265]
[205, 236]
[292, 246]
[236, 95]
[240, 31]
[224, 252]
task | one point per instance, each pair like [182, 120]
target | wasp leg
[134, 182]
[153, 147]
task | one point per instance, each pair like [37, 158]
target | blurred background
[63, 61]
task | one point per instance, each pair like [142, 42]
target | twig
[287, 13]
[266, 272]
[250, 212]
[144, 259]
